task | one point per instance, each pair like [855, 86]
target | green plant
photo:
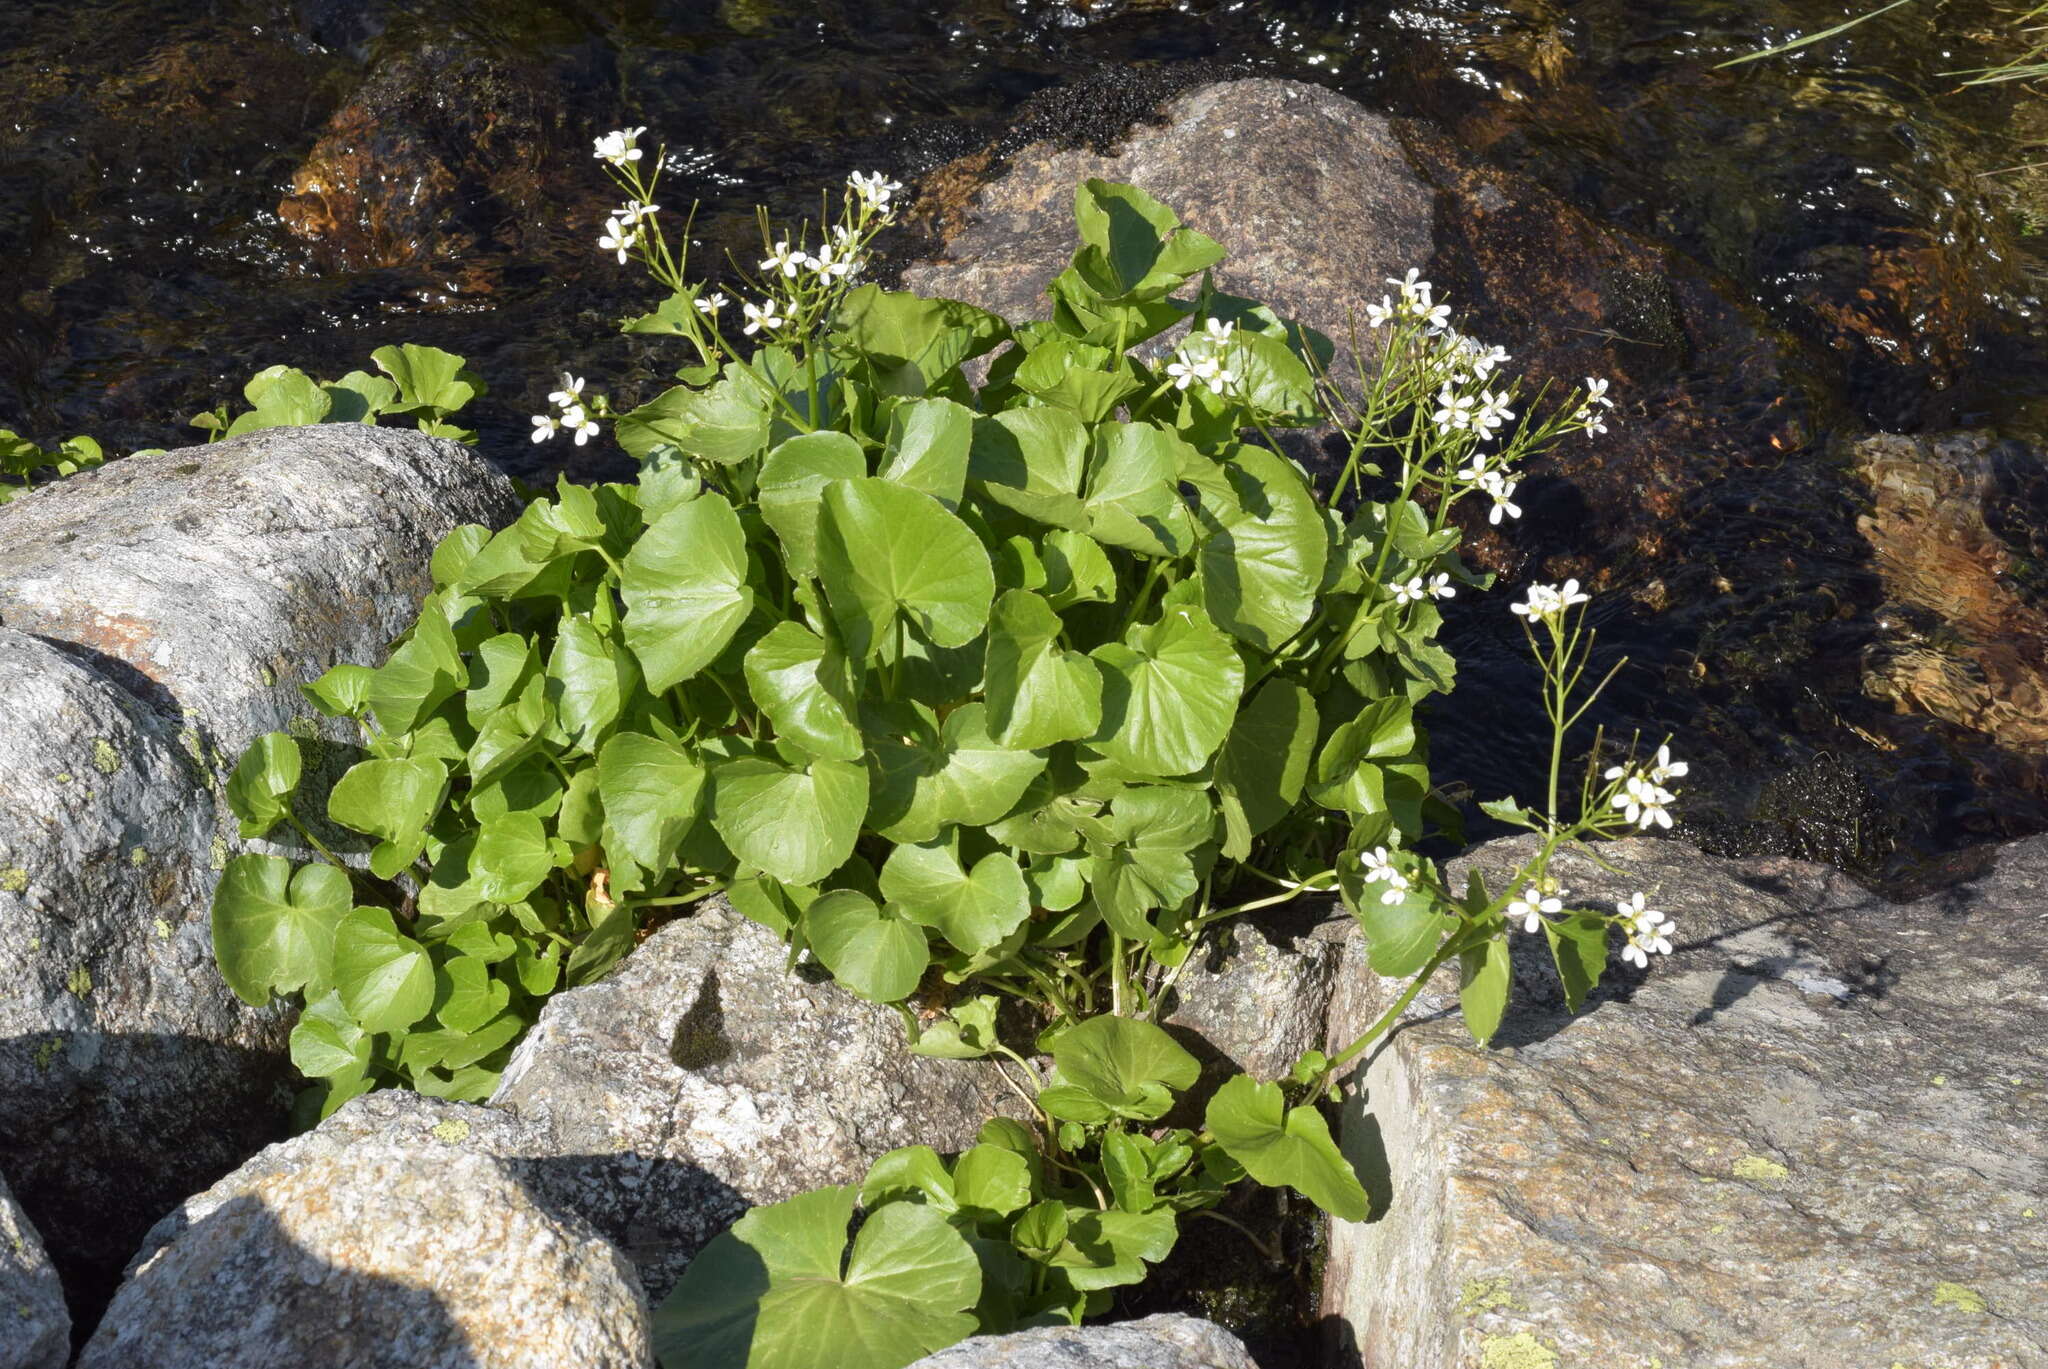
[424, 384]
[976, 694]
[24, 465]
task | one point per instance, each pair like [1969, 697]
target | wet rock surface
[733, 1081]
[1818, 1125]
[159, 613]
[1165, 1341]
[381, 1257]
[31, 1300]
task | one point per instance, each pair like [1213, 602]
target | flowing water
[175, 214]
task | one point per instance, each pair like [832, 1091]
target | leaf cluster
[24, 465]
[424, 384]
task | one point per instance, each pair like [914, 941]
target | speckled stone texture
[1167, 1341]
[35, 1326]
[1257, 992]
[731, 1081]
[158, 613]
[1814, 1137]
[381, 1259]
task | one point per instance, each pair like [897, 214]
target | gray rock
[129, 1075]
[37, 1324]
[1263, 166]
[1166, 1341]
[159, 613]
[381, 1259]
[212, 580]
[1257, 993]
[1816, 1135]
[719, 1079]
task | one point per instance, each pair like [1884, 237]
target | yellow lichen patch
[13, 880]
[1760, 1168]
[80, 981]
[451, 1130]
[105, 758]
[1486, 1295]
[1960, 1297]
[163, 930]
[47, 1052]
[1519, 1351]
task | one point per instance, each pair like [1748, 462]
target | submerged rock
[159, 612]
[381, 1259]
[1166, 1341]
[720, 1079]
[1816, 1134]
[38, 1326]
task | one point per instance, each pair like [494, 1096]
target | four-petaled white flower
[1484, 360]
[1217, 330]
[1376, 315]
[1530, 908]
[1665, 768]
[1644, 802]
[1649, 931]
[1493, 411]
[1414, 289]
[570, 393]
[574, 420]
[1454, 411]
[1440, 586]
[767, 314]
[711, 303]
[1550, 601]
[1377, 865]
[545, 426]
[1596, 392]
[1412, 591]
[1502, 491]
[619, 237]
[1185, 371]
[617, 147]
[1435, 317]
[874, 188]
[833, 266]
[1590, 412]
[632, 211]
[786, 259]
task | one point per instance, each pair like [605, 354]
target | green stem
[679, 900]
[1452, 945]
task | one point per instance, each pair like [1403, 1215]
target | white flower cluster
[623, 229]
[617, 147]
[1415, 589]
[1649, 931]
[874, 189]
[1379, 869]
[573, 419]
[1417, 302]
[1199, 359]
[1481, 415]
[1642, 797]
[1534, 904]
[1597, 407]
[1547, 603]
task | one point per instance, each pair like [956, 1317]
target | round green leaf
[1133, 490]
[797, 824]
[1033, 461]
[273, 929]
[972, 910]
[1280, 1145]
[467, 995]
[1169, 694]
[652, 794]
[327, 1043]
[886, 552]
[800, 683]
[1037, 692]
[589, 678]
[927, 448]
[771, 1292]
[385, 978]
[260, 791]
[512, 857]
[1144, 857]
[871, 950]
[686, 592]
[961, 777]
[392, 800]
[1112, 1059]
[792, 485]
[1263, 560]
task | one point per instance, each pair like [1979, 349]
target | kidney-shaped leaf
[1038, 693]
[385, 978]
[873, 951]
[651, 791]
[391, 800]
[972, 909]
[1169, 694]
[885, 551]
[273, 929]
[1281, 1145]
[964, 777]
[800, 683]
[1113, 1058]
[792, 483]
[1263, 561]
[772, 1293]
[797, 824]
[686, 592]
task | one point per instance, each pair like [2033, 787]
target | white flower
[574, 420]
[1378, 865]
[1666, 768]
[767, 314]
[1185, 371]
[874, 189]
[1437, 318]
[1596, 392]
[1502, 491]
[1643, 802]
[1550, 601]
[1182, 371]
[632, 211]
[1397, 888]
[1473, 471]
[544, 427]
[1376, 315]
[1649, 931]
[1218, 331]
[785, 259]
[1440, 586]
[833, 266]
[1596, 422]
[617, 146]
[1530, 908]
[1454, 411]
[1414, 591]
[1590, 411]
[711, 303]
[1414, 289]
[1493, 411]
[570, 393]
[1483, 359]
[619, 237]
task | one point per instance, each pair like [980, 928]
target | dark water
[152, 256]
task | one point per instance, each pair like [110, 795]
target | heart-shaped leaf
[796, 823]
[327, 1043]
[800, 682]
[972, 909]
[927, 448]
[651, 792]
[1144, 856]
[723, 423]
[888, 553]
[392, 800]
[513, 855]
[1262, 562]
[260, 791]
[875, 952]
[963, 776]
[385, 978]
[686, 592]
[1037, 692]
[1112, 1059]
[1280, 1145]
[467, 995]
[590, 675]
[1169, 694]
[1133, 490]
[1033, 461]
[273, 929]
[792, 486]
